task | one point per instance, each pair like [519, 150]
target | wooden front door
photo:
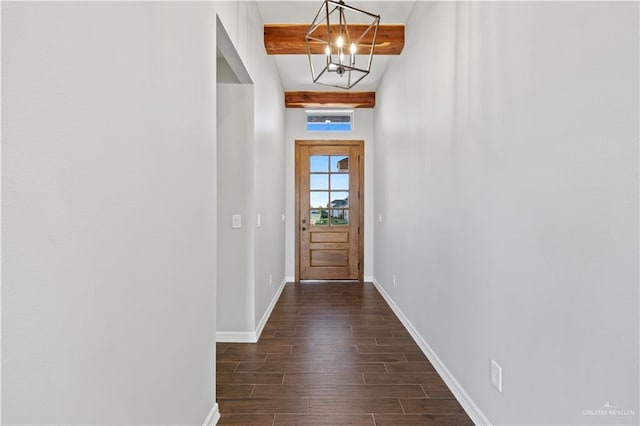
[329, 210]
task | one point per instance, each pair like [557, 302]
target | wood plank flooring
[332, 354]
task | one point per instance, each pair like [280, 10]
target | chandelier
[340, 53]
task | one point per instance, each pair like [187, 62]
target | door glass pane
[319, 199]
[339, 199]
[340, 181]
[320, 182]
[319, 217]
[339, 217]
[340, 164]
[319, 163]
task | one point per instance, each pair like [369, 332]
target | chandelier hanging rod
[343, 5]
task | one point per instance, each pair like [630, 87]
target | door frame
[329, 143]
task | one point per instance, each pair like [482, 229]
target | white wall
[269, 174]
[109, 197]
[506, 165]
[265, 175]
[296, 120]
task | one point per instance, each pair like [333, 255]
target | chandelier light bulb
[327, 50]
[353, 48]
[339, 41]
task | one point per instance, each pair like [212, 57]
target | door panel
[329, 177]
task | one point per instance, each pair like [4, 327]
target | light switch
[236, 221]
[259, 221]
[496, 375]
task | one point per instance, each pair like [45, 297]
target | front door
[329, 204]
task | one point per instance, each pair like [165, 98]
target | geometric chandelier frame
[340, 44]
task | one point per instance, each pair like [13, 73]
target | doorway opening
[235, 188]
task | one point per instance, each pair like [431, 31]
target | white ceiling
[294, 69]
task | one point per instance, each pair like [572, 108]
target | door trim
[322, 142]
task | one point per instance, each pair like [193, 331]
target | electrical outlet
[395, 284]
[283, 217]
[259, 221]
[380, 218]
[270, 280]
[496, 375]
[236, 221]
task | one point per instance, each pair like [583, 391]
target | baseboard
[458, 391]
[213, 417]
[251, 336]
[267, 313]
[290, 279]
[368, 278]
[236, 337]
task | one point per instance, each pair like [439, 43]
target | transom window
[329, 120]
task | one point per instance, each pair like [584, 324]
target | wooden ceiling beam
[330, 99]
[288, 39]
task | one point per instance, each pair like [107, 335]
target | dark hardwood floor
[332, 354]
